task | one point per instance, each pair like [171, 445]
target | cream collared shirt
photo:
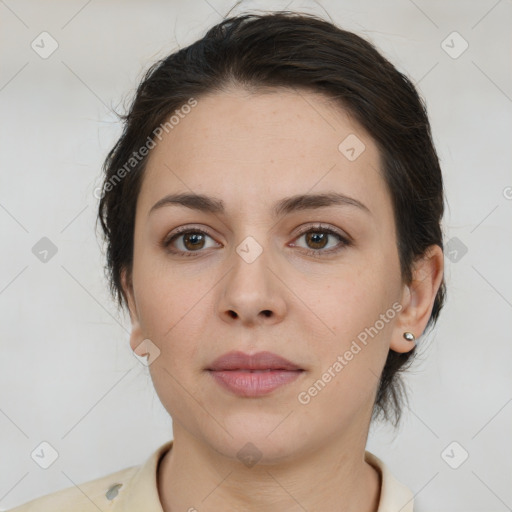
[134, 489]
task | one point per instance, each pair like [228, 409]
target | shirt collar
[394, 495]
[141, 491]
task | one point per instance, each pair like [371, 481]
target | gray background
[67, 374]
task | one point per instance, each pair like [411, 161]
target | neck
[192, 477]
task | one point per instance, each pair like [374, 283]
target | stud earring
[409, 336]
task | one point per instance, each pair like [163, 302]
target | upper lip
[237, 360]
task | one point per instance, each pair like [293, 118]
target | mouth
[254, 375]
[261, 361]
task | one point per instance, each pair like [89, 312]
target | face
[315, 281]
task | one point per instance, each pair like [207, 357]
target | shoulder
[91, 496]
[129, 490]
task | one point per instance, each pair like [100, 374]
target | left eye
[317, 240]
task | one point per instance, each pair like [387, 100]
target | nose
[252, 292]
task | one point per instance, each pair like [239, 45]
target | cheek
[358, 309]
[173, 308]
[354, 298]
[173, 314]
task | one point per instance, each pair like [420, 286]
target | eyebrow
[208, 204]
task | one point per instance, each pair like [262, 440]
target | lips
[253, 375]
[261, 361]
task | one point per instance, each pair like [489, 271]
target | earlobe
[403, 343]
[418, 300]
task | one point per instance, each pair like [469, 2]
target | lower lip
[252, 384]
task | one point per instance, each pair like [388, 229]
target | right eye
[188, 241]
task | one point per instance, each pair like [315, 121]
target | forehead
[251, 147]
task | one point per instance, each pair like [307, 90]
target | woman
[272, 214]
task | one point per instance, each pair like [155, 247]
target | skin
[251, 150]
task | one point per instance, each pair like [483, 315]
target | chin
[253, 437]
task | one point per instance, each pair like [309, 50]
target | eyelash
[318, 253]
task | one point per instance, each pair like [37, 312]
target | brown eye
[318, 238]
[193, 241]
[187, 241]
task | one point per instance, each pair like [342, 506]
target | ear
[418, 298]
[136, 335]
